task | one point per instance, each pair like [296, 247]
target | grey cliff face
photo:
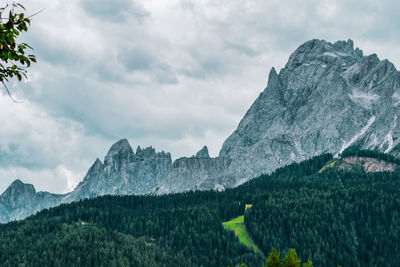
[123, 173]
[203, 153]
[327, 97]
[21, 200]
[196, 173]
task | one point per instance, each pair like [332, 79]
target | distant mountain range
[327, 97]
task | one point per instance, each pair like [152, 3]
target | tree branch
[9, 94]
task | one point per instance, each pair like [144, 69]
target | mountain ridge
[326, 98]
[329, 96]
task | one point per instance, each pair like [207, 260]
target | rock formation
[327, 97]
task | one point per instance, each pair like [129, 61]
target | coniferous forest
[331, 217]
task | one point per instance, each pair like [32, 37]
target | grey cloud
[177, 81]
[137, 59]
[115, 11]
[165, 75]
[136, 116]
[52, 51]
[14, 154]
[385, 23]
[205, 64]
[242, 48]
[106, 72]
[34, 143]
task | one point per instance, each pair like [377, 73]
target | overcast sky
[176, 74]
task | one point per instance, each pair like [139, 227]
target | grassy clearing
[237, 225]
[329, 164]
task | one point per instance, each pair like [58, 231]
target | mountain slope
[123, 173]
[335, 217]
[328, 97]
[21, 200]
[196, 173]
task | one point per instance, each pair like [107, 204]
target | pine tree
[291, 259]
[273, 259]
[308, 264]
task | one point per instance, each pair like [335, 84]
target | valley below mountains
[333, 211]
[328, 97]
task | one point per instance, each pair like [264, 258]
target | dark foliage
[13, 58]
[187, 227]
[332, 218]
[79, 245]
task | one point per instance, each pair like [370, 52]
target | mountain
[203, 153]
[196, 173]
[329, 96]
[21, 200]
[326, 98]
[123, 173]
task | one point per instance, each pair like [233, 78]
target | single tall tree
[273, 259]
[291, 259]
[308, 264]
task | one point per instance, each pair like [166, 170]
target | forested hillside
[332, 217]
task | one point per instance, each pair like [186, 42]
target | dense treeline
[187, 226]
[332, 218]
[81, 245]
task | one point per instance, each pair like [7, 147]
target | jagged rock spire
[120, 150]
[203, 153]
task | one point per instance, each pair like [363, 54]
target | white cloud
[37, 148]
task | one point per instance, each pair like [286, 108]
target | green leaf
[12, 53]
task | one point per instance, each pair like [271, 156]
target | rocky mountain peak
[96, 167]
[21, 200]
[121, 146]
[16, 183]
[203, 153]
[120, 150]
[274, 83]
[146, 152]
[327, 97]
[18, 187]
[326, 52]
[18, 193]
